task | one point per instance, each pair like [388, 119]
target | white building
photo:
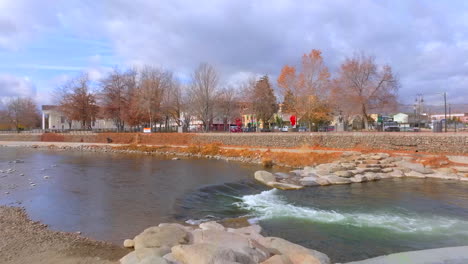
[53, 119]
[401, 118]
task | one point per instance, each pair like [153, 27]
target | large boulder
[371, 176]
[169, 235]
[309, 181]
[264, 177]
[282, 175]
[397, 173]
[417, 167]
[329, 167]
[358, 178]
[278, 259]
[314, 181]
[348, 165]
[415, 174]
[252, 231]
[284, 186]
[208, 254]
[211, 225]
[344, 174]
[132, 258]
[236, 242]
[297, 258]
[281, 246]
[143, 253]
[333, 179]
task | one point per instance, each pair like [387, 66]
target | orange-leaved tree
[306, 92]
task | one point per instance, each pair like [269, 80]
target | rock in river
[264, 177]
[284, 186]
[333, 179]
[314, 181]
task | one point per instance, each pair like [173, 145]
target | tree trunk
[364, 116]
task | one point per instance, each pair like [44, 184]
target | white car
[285, 129]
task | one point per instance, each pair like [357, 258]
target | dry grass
[302, 159]
[435, 162]
[142, 148]
[267, 158]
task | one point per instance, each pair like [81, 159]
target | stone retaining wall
[449, 143]
[423, 142]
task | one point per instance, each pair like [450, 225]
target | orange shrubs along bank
[267, 158]
[434, 162]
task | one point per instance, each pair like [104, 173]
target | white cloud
[424, 42]
[13, 86]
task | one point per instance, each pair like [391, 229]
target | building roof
[49, 107]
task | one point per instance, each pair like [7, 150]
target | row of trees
[360, 87]
[148, 97]
[152, 96]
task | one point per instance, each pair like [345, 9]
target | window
[62, 119]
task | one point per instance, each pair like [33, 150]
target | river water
[115, 196]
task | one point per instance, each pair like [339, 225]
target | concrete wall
[449, 143]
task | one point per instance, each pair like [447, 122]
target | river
[115, 196]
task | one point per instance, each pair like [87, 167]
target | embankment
[444, 143]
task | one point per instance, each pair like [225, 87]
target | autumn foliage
[306, 91]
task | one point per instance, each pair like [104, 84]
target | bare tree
[22, 113]
[363, 86]
[78, 102]
[117, 90]
[153, 83]
[203, 92]
[228, 105]
[175, 103]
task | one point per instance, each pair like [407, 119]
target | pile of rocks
[355, 167]
[212, 243]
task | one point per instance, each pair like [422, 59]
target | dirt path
[24, 241]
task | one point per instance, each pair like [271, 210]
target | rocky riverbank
[212, 243]
[355, 167]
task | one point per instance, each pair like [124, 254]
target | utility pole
[450, 113]
[445, 107]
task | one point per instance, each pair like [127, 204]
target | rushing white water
[270, 205]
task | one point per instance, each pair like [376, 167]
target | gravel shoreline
[26, 241]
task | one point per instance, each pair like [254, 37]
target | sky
[44, 43]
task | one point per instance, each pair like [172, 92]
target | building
[401, 118]
[54, 119]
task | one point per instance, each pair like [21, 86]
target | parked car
[302, 129]
[391, 127]
[265, 130]
[285, 129]
[236, 129]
